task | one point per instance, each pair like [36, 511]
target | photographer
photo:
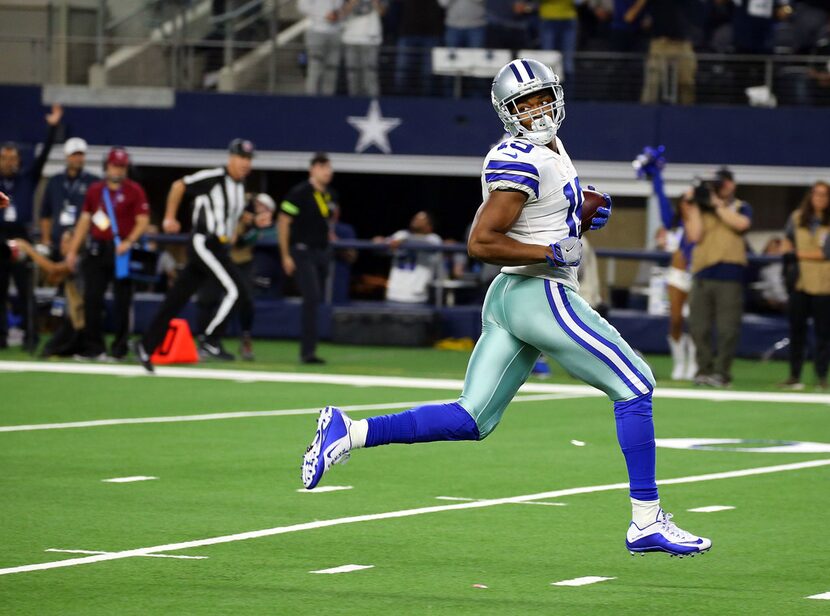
[808, 230]
[716, 222]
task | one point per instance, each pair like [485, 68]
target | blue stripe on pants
[638, 389]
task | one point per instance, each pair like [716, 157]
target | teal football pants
[523, 316]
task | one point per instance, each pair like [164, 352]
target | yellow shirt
[557, 9]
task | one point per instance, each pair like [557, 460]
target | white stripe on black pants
[208, 259]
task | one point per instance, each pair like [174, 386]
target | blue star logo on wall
[374, 129]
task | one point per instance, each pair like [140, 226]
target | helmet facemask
[546, 119]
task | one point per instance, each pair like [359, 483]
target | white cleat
[331, 445]
[663, 535]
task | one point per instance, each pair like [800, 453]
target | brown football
[591, 200]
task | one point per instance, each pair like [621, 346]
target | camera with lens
[704, 189]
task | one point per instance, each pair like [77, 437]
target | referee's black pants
[98, 267]
[312, 270]
[208, 259]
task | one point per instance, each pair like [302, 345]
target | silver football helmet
[520, 78]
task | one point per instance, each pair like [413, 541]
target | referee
[218, 197]
[303, 229]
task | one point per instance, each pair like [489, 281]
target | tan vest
[813, 276]
[719, 244]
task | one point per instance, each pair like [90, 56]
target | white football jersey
[553, 210]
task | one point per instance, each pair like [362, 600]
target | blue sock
[431, 422]
[635, 433]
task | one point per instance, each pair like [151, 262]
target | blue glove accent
[651, 161]
[602, 214]
[566, 253]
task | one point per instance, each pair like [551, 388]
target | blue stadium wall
[436, 127]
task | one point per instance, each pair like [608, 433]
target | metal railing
[278, 64]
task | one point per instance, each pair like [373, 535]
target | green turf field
[222, 477]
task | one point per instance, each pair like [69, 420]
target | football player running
[530, 223]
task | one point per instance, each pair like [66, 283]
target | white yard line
[824, 595]
[711, 509]
[388, 381]
[178, 556]
[243, 414]
[293, 528]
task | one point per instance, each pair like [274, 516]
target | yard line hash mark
[293, 528]
[129, 479]
[824, 595]
[325, 489]
[711, 509]
[583, 581]
[463, 498]
[344, 569]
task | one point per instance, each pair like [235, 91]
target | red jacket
[129, 202]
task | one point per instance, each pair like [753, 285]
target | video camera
[703, 191]
[704, 188]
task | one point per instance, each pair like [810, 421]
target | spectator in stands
[323, 45]
[212, 293]
[716, 222]
[63, 198]
[303, 230]
[810, 21]
[419, 30]
[412, 270]
[362, 37]
[465, 23]
[18, 183]
[626, 36]
[671, 57]
[509, 24]
[115, 215]
[558, 30]
[68, 303]
[753, 24]
[808, 230]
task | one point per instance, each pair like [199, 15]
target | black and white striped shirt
[218, 201]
